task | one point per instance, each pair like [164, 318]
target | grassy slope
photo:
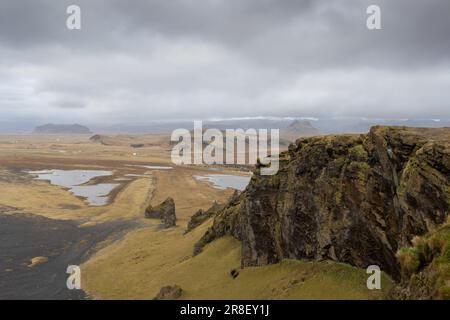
[426, 265]
[148, 259]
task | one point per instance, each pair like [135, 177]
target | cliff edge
[355, 199]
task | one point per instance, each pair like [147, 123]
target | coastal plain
[132, 257]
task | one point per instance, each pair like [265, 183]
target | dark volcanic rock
[96, 138]
[102, 139]
[165, 211]
[169, 293]
[355, 199]
[201, 216]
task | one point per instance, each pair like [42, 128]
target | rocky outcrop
[165, 211]
[201, 216]
[355, 199]
[102, 139]
[169, 293]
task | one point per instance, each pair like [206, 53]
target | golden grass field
[147, 258]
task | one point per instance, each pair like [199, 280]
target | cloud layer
[186, 59]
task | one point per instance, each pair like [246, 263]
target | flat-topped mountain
[356, 199]
[62, 129]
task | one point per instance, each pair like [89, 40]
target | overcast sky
[134, 61]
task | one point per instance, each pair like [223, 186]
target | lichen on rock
[355, 199]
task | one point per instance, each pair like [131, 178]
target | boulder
[169, 293]
[37, 261]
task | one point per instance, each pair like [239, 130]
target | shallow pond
[224, 181]
[74, 180]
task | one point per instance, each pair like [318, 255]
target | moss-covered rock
[355, 199]
[201, 216]
[426, 266]
[164, 211]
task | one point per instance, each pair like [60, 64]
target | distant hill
[302, 127]
[134, 141]
[297, 129]
[62, 129]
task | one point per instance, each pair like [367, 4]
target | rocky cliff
[355, 199]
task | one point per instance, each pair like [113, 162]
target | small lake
[224, 181]
[74, 180]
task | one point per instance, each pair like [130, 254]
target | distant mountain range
[323, 125]
[62, 129]
[331, 125]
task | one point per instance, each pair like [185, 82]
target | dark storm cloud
[274, 31]
[217, 58]
[305, 33]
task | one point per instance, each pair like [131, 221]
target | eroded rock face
[165, 211]
[349, 198]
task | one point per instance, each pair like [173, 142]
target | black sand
[25, 236]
